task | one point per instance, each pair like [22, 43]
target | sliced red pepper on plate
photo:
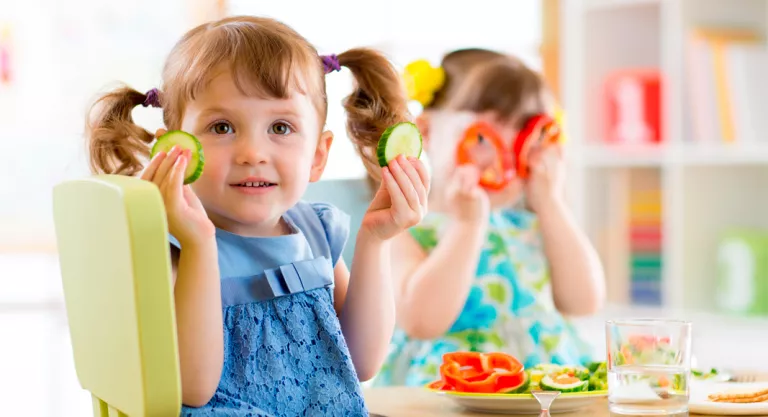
[439, 385]
[481, 372]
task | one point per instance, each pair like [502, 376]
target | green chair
[112, 241]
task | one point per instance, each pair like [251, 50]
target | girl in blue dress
[270, 320]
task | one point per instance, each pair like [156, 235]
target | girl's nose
[252, 150]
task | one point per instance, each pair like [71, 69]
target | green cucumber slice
[185, 141]
[402, 138]
[549, 384]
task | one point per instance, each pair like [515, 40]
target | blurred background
[666, 107]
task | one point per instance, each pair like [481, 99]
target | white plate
[521, 403]
[701, 405]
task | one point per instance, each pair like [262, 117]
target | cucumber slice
[564, 384]
[185, 141]
[402, 138]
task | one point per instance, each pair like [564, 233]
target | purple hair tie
[330, 63]
[153, 98]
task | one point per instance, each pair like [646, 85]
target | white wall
[63, 54]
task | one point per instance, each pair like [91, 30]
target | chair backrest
[115, 264]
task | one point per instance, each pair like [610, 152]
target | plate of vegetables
[499, 383]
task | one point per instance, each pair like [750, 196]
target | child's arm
[578, 286]
[197, 291]
[432, 289]
[577, 277]
[197, 294]
[368, 315]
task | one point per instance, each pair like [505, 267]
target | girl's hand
[401, 201]
[546, 181]
[465, 198]
[187, 220]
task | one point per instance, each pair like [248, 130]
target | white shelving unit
[706, 187]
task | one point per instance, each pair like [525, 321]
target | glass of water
[649, 366]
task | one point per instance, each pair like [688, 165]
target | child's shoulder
[322, 221]
[328, 214]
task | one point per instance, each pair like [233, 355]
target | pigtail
[115, 141]
[378, 101]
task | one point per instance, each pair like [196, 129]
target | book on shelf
[645, 242]
[727, 85]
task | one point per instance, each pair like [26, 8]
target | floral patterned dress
[509, 308]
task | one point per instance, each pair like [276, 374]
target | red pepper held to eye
[481, 372]
[502, 170]
[540, 129]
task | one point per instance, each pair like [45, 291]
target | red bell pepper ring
[540, 129]
[502, 170]
[439, 385]
[481, 372]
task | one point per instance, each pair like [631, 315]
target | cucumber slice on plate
[402, 138]
[185, 141]
[564, 383]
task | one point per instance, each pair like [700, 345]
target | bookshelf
[706, 184]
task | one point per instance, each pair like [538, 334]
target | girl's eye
[280, 128]
[222, 128]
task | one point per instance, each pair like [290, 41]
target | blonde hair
[505, 87]
[456, 65]
[479, 80]
[266, 58]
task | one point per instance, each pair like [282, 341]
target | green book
[742, 281]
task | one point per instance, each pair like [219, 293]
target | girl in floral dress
[488, 270]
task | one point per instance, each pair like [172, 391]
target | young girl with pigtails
[271, 322]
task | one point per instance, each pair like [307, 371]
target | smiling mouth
[258, 184]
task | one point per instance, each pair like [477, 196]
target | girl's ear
[422, 123]
[321, 156]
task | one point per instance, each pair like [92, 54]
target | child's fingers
[416, 180]
[404, 183]
[191, 198]
[467, 184]
[166, 165]
[423, 173]
[175, 181]
[399, 203]
[536, 161]
[151, 169]
[470, 179]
